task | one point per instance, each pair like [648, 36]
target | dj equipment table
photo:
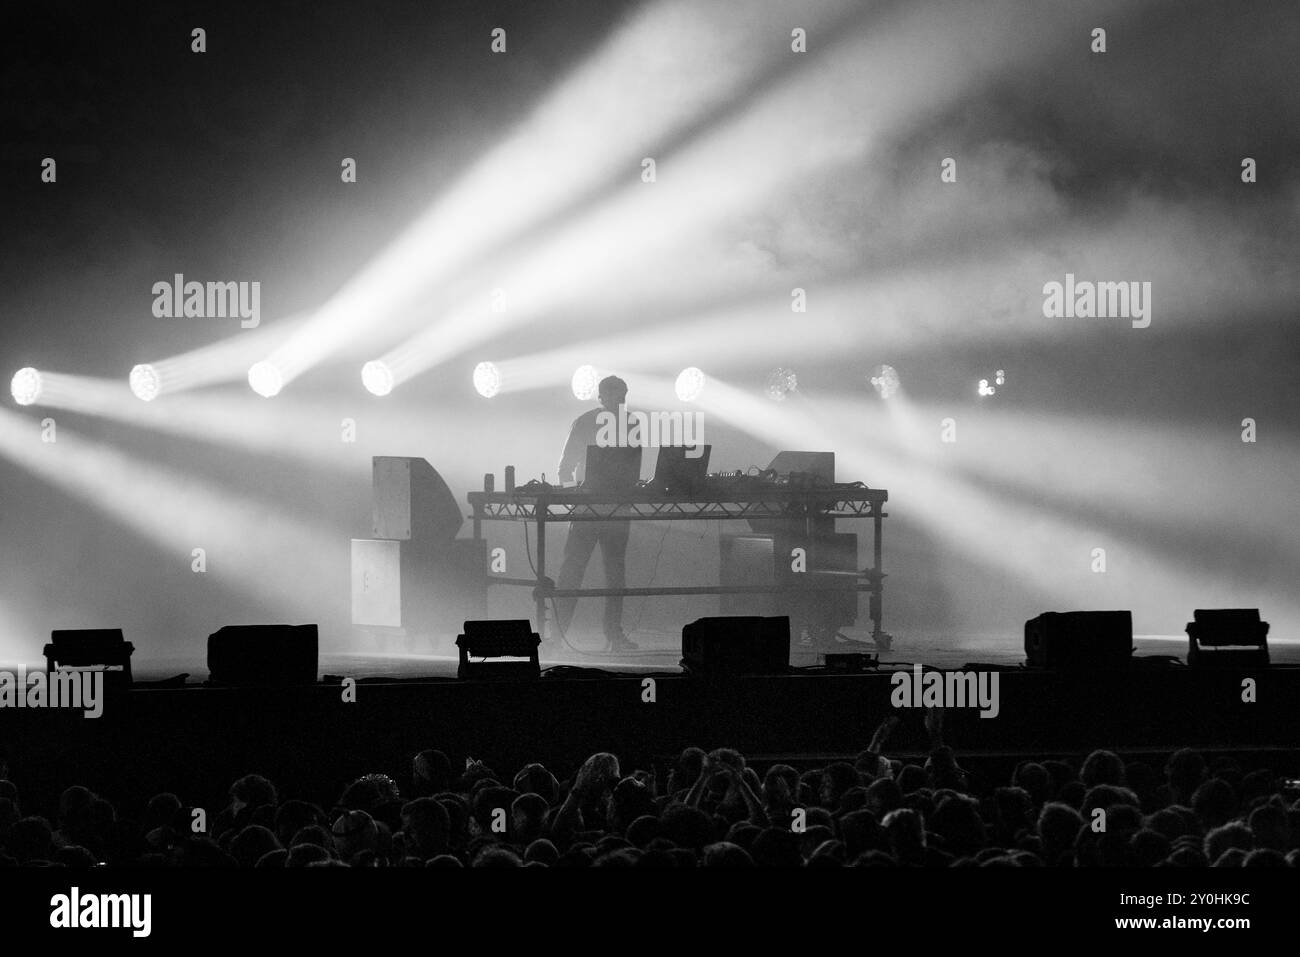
[800, 509]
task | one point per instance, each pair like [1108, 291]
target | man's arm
[571, 458]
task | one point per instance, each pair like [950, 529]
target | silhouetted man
[584, 536]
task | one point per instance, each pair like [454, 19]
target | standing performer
[583, 537]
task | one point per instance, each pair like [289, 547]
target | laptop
[677, 473]
[612, 468]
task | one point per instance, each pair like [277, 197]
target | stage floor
[407, 659]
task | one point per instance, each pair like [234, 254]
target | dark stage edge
[195, 739]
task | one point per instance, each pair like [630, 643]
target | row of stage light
[30, 386]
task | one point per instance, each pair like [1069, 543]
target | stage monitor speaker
[1079, 640]
[91, 648]
[746, 645]
[249, 655]
[412, 502]
[508, 638]
[1227, 638]
[422, 588]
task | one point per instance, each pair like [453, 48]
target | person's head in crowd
[944, 771]
[631, 799]
[1264, 857]
[430, 773]
[1102, 767]
[905, 832]
[541, 851]
[643, 830]
[276, 858]
[74, 855]
[726, 854]
[1014, 810]
[491, 806]
[1035, 780]
[780, 791]
[837, 778]
[883, 796]
[161, 811]
[1107, 796]
[810, 786]
[31, 839]
[1141, 779]
[300, 855]
[776, 847]
[1169, 822]
[292, 816]
[686, 826]
[444, 860]
[912, 778]
[370, 793]
[861, 831]
[1184, 772]
[251, 843]
[1255, 785]
[854, 799]
[1271, 825]
[354, 832]
[1058, 825]
[426, 828]
[829, 853]
[1232, 834]
[474, 772]
[535, 779]
[313, 834]
[528, 817]
[252, 791]
[685, 770]
[1148, 848]
[74, 810]
[1232, 857]
[1214, 802]
[496, 855]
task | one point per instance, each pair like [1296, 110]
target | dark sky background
[1126, 166]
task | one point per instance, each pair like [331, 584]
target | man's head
[612, 392]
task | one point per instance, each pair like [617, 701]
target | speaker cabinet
[746, 645]
[412, 502]
[1079, 640]
[263, 655]
[422, 588]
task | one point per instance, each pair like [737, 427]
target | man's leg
[577, 553]
[613, 551]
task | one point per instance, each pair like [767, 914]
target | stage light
[1000, 377]
[985, 389]
[265, 379]
[26, 386]
[884, 379]
[780, 383]
[145, 382]
[377, 377]
[487, 379]
[689, 385]
[586, 383]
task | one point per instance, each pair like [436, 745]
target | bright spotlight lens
[586, 383]
[690, 384]
[780, 383]
[377, 377]
[884, 379]
[145, 382]
[26, 386]
[265, 379]
[487, 379]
